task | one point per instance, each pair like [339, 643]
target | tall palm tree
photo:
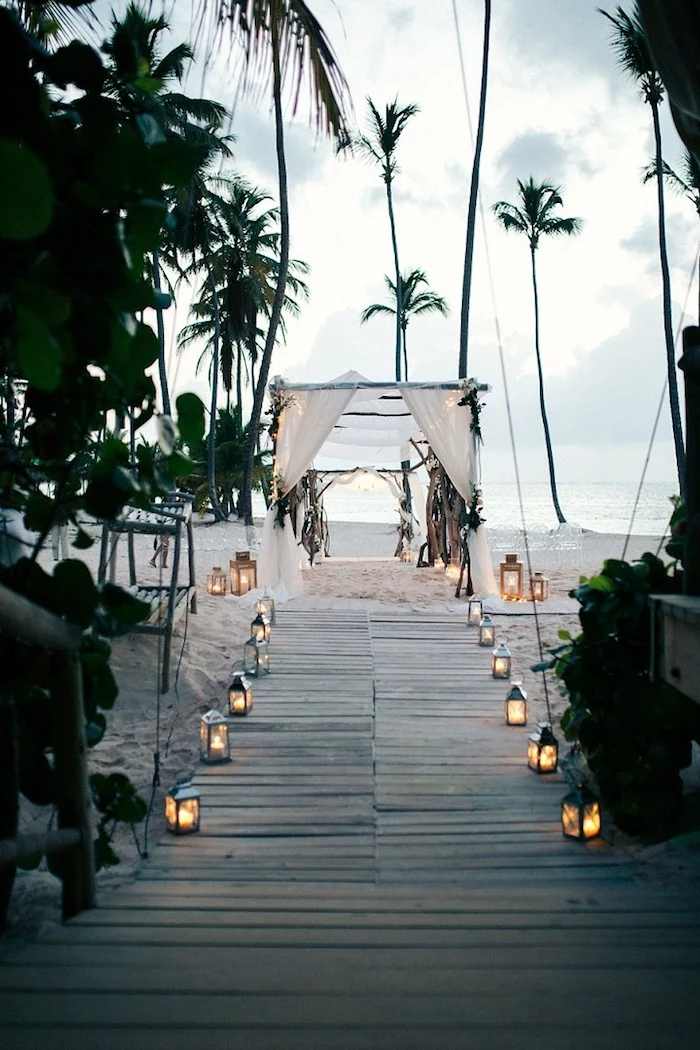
[379, 144]
[141, 76]
[413, 302]
[473, 195]
[282, 42]
[534, 217]
[686, 183]
[629, 41]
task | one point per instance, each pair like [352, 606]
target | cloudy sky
[558, 109]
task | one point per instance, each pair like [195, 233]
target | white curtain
[305, 423]
[447, 427]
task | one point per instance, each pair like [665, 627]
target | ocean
[598, 506]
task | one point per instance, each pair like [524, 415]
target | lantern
[500, 661]
[240, 695]
[511, 578]
[266, 605]
[406, 554]
[217, 581]
[516, 705]
[260, 627]
[243, 572]
[213, 738]
[487, 630]
[540, 587]
[256, 657]
[182, 809]
[475, 611]
[543, 750]
[580, 814]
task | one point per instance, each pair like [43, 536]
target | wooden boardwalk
[376, 869]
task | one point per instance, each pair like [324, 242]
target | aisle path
[376, 869]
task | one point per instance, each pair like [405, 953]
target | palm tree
[687, 183]
[282, 42]
[630, 43]
[473, 194]
[534, 217]
[380, 145]
[413, 302]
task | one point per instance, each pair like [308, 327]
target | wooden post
[72, 793]
[690, 366]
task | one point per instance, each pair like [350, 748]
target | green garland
[471, 400]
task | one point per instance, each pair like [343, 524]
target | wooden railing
[33, 625]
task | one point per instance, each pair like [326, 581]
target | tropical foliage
[414, 300]
[535, 217]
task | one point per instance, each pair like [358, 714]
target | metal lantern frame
[266, 605]
[539, 584]
[487, 631]
[260, 627]
[501, 661]
[214, 745]
[475, 611]
[182, 809]
[240, 695]
[256, 657]
[516, 705]
[580, 814]
[243, 573]
[217, 581]
[543, 750]
[511, 578]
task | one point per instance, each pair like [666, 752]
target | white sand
[362, 572]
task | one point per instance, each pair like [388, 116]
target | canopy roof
[377, 419]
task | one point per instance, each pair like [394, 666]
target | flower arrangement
[471, 399]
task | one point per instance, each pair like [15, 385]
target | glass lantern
[243, 573]
[516, 705]
[500, 661]
[580, 814]
[475, 611]
[182, 809]
[217, 581]
[540, 587]
[511, 578]
[543, 750]
[487, 631]
[256, 657]
[266, 605]
[240, 695]
[260, 627]
[213, 738]
[406, 554]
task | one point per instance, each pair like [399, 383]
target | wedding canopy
[381, 419]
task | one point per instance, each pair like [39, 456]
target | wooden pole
[72, 792]
[690, 366]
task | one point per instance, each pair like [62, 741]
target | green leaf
[76, 590]
[38, 353]
[190, 418]
[564, 635]
[76, 64]
[26, 197]
[82, 540]
[122, 605]
[167, 434]
[95, 729]
[143, 225]
[39, 512]
[151, 131]
[100, 684]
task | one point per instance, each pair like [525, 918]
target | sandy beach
[360, 573]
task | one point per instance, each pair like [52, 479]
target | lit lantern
[243, 573]
[580, 814]
[406, 554]
[260, 627]
[213, 738]
[543, 750]
[256, 657]
[475, 610]
[217, 581]
[500, 661]
[511, 578]
[266, 605]
[540, 587]
[240, 695]
[487, 631]
[516, 705]
[182, 809]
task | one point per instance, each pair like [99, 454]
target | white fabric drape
[418, 498]
[447, 427]
[305, 423]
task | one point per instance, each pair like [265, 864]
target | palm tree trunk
[399, 292]
[246, 503]
[668, 323]
[548, 441]
[219, 514]
[165, 394]
[473, 195]
[239, 380]
[405, 352]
